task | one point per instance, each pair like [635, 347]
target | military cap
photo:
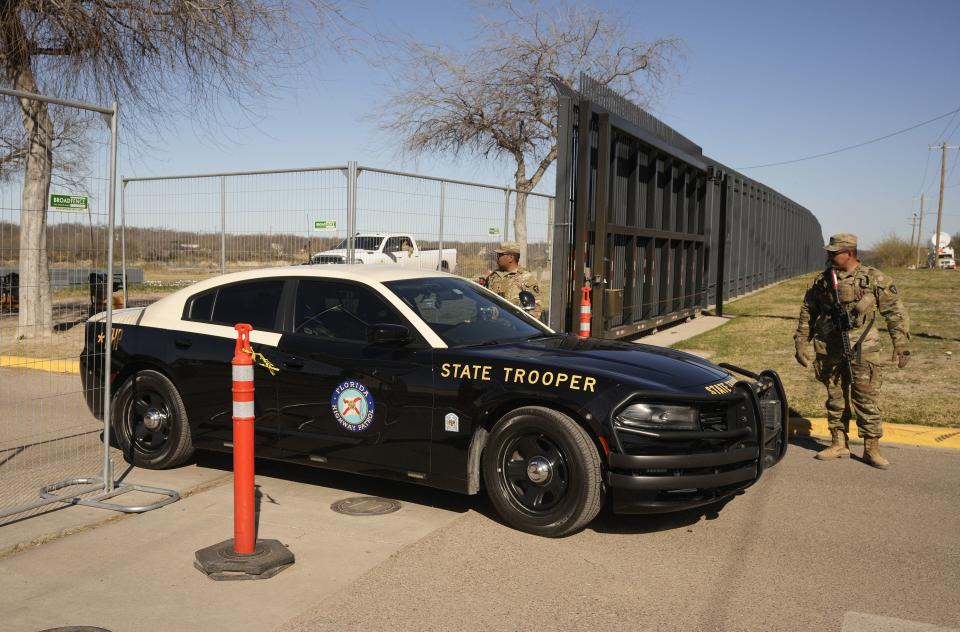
[841, 242]
[509, 247]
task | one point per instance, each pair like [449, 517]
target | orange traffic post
[244, 530]
[585, 313]
[244, 556]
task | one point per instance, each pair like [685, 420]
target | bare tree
[156, 58]
[496, 99]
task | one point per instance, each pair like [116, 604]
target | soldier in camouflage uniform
[862, 291]
[509, 279]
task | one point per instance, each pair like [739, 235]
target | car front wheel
[542, 472]
[150, 422]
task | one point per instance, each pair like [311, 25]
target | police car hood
[641, 366]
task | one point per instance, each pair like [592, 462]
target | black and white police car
[428, 377]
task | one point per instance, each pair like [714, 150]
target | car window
[338, 310]
[463, 314]
[200, 307]
[361, 243]
[253, 302]
[393, 244]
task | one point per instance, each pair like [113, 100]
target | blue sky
[761, 82]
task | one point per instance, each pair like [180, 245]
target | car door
[345, 402]
[204, 348]
[395, 252]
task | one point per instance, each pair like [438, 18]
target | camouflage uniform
[510, 284]
[862, 291]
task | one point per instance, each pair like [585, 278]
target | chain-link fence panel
[456, 226]
[53, 244]
[181, 229]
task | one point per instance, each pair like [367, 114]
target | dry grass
[926, 392]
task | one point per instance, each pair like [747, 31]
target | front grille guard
[764, 381]
[743, 389]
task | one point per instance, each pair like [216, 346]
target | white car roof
[377, 273]
[167, 312]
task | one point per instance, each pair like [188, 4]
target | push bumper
[663, 471]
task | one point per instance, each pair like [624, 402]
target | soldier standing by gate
[839, 314]
[509, 279]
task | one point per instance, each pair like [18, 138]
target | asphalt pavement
[812, 546]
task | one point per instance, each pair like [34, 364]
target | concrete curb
[921, 436]
[51, 365]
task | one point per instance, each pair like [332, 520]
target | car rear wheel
[542, 472]
[150, 422]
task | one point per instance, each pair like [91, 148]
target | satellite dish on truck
[940, 240]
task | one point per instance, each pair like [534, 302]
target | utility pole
[913, 228]
[943, 178]
[919, 234]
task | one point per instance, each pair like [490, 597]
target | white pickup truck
[397, 248]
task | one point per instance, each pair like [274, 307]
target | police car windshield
[464, 315]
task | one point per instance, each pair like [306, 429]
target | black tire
[163, 443]
[571, 492]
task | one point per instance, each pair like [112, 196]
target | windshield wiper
[489, 343]
[544, 335]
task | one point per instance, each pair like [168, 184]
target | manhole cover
[365, 506]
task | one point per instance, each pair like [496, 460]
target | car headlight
[659, 417]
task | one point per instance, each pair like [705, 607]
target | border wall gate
[656, 229]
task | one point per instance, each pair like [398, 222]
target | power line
[926, 167]
[849, 147]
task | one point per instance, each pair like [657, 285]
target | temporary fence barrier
[180, 229]
[51, 450]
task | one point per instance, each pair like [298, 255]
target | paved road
[824, 546]
[813, 546]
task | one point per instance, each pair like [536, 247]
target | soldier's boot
[838, 449]
[871, 453]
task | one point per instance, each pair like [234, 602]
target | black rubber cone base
[221, 563]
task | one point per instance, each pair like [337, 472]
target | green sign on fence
[325, 224]
[69, 202]
[494, 231]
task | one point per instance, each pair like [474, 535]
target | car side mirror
[527, 300]
[385, 333]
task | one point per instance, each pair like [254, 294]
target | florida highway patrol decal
[352, 406]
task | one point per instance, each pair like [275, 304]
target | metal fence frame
[354, 210]
[95, 490]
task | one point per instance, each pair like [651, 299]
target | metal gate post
[443, 191]
[223, 225]
[506, 215]
[581, 207]
[351, 210]
[722, 242]
[123, 239]
[598, 270]
[560, 290]
[108, 341]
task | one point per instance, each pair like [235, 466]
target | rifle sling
[858, 348]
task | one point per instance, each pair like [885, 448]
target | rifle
[842, 319]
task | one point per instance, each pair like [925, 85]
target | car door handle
[183, 343]
[293, 363]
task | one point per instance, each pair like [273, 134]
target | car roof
[377, 273]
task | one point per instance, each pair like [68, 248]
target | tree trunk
[36, 306]
[520, 224]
